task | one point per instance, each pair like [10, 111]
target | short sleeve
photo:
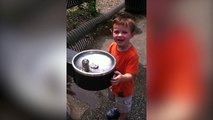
[132, 65]
[110, 47]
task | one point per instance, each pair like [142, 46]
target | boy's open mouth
[120, 40]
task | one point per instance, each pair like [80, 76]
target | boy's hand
[116, 78]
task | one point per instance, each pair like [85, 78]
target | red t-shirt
[126, 62]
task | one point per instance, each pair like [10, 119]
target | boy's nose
[119, 34]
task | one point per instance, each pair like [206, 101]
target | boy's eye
[116, 32]
[124, 32]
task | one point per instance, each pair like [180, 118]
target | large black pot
[93, 69]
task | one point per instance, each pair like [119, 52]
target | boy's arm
[121, 77]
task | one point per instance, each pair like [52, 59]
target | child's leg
[110, 95]
[124, 106]
[123, 116]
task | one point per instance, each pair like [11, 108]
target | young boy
[126, 65]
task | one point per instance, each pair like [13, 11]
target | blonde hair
[126, 20]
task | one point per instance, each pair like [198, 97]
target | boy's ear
[133, 34]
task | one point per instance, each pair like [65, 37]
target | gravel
[103, 6]
[138, 111]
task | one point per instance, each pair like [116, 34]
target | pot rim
[93, 74]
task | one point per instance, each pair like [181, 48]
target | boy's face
[122, 35]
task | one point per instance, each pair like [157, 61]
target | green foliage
[82, 14]
[92, 7]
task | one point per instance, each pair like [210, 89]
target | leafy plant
[82, 14]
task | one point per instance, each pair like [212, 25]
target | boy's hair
[126, 20]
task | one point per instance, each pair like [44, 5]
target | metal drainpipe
[78, 33]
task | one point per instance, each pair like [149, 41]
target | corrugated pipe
[71, 3]
[78, 33]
